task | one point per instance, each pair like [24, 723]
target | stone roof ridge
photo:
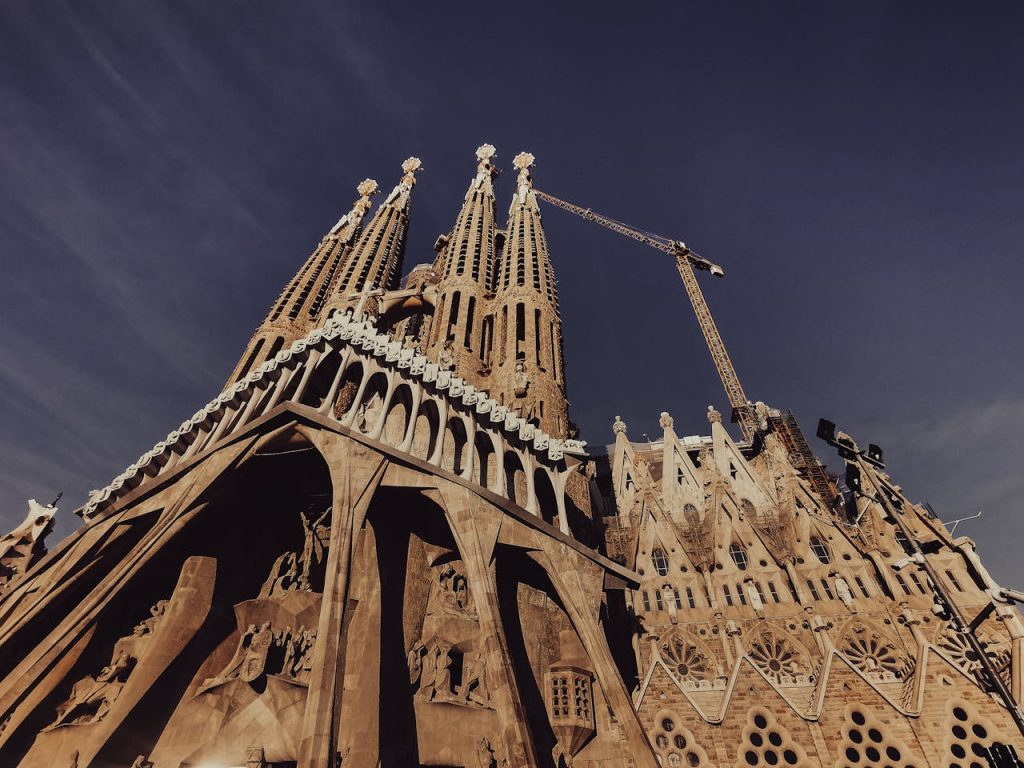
[363, 333]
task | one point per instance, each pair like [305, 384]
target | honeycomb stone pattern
[767, 743]
[969, 735]
[866, 741]
[675, 744]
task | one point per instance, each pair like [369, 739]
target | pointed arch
[873, 652]
[779, 656]
[425, 433]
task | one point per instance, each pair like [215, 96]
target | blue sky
[856, 167]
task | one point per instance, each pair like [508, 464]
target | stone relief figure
[91, 697]
[474, 687]
[521, 379]
[434, 665]
[262, 651]
[295, 570]
[146, 626]
[446, 357]
[453, 592]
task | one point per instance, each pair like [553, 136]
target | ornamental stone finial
[410, 167]
[524, 162]
[485, 152]
[367, 187]
[619, 426]
[714, 417]
[666, 421]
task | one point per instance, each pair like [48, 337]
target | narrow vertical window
[453, 314]
[953, 581]
[728, 594]
[467, 339]
[689, 598]
[659, 561]
[678, 600]
[504, 335]
[520, 328]
[554, 356]
[917, 583]
[647, 601]
[741, 593]
[760, 592]
[252, 358]
[828, 591]
[814, 590]
[657, 599]
[536, 334]
[902, 583]
[861, 586]
[773, 591]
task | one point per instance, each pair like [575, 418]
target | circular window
[679, 741]
[668, 725]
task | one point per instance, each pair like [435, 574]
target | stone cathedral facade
[383, 544]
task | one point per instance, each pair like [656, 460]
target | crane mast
[686, 260]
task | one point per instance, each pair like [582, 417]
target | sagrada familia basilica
[384, 544]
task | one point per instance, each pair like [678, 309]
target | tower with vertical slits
[463, 323]
[528, 371]
[299, 307]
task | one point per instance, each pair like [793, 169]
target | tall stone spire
[300, 304]
[376, 260]
[461, 325]
[528, 367]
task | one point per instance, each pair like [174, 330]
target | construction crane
[686, 261]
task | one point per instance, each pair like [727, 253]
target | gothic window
[953, 581]
[820, 550]
[647, 601]
[773, 591]
[678, 600]
[860, 584]
[777, 657]
[728, 594]
[828, 590]
[874, 655]
[659, 561]
[760, 592]
[963, 654]
[689, 598]
[738, 555]
[917, 583]
[814, 590]
[657, 599]
[741, 594]
[685, 659]
[902, 583]
[902, 541]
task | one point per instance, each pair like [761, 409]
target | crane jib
[686, 260]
